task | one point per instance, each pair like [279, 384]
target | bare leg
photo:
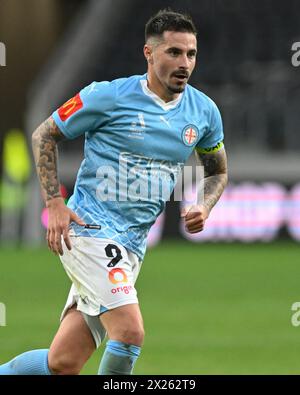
[124, 326]
[72, 345]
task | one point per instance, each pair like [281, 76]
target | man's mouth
[181, 76]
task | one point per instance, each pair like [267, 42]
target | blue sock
[30, 363]
[118, 358]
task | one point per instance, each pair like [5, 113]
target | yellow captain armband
[210, 150]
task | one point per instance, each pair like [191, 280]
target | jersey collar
[165, 106]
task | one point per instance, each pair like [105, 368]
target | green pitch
[208, 309]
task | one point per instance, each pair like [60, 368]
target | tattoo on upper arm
[44, 145]
[214, 163]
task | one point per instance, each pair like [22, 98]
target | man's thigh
[73, 343]
[124, 321]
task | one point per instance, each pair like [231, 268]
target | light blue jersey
[135, 147]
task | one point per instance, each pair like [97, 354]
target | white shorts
[103, 274]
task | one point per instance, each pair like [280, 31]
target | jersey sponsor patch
[70, 107]
[190, 135]
[210, 150]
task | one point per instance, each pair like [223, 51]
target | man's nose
[184, 62]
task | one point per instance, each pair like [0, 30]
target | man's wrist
[54, 200]
[207, 208]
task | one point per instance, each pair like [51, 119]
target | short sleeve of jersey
[86, 111]
[212, 141]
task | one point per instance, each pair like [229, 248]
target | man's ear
[148, 53]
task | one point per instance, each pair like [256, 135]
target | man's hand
[60, 217]
[195, 217]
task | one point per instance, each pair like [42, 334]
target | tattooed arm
[44, 146]
[215, 180]
[215, 173]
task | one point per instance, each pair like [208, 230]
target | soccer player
[137, 129]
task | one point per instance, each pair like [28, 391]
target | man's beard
[175, 89]
[178, 89]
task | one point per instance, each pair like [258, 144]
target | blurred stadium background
[222, 299]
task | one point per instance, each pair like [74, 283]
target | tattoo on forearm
[44, 145]
[213, 189]
[215, 173]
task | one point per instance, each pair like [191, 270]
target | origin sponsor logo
[117, 276]
[126, 289]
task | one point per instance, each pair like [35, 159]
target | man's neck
[156, 87]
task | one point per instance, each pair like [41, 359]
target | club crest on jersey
[190, 135]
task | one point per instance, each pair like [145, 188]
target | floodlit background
[216, 303]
